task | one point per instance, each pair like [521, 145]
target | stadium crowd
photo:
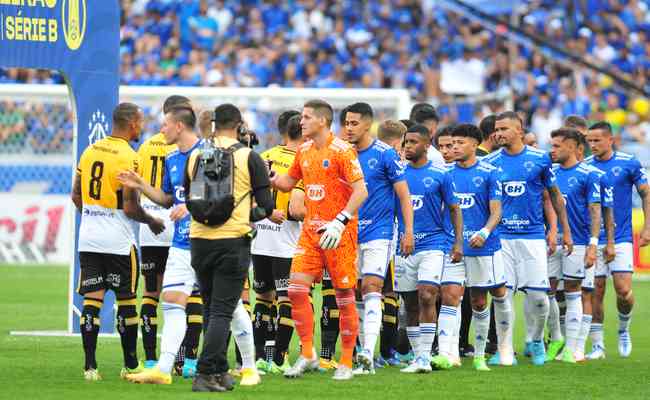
[409, 44]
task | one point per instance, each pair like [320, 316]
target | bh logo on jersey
[465, 200]
[417, 201]
[316, 192]
[514, 188]
[180, 193]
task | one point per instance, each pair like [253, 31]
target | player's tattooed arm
[457, 222]
[610, 250]
[134, 211]
[76, 192]
[551, 222]
[594, 214]
[560, 210]
[644, 193]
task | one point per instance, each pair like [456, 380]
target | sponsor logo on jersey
[180, 193]
[326, 163]
[465, 200]
[316, 192]
[515, 188]
[417, 201]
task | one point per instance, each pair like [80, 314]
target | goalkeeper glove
[332, 231]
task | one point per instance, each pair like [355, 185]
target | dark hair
[602, 125]
[421, 112]
[575, 121]
[468, 131]
[444, 131]
[419, 129]
[226, 116]
[183, 114]
[407, 123]
[487, 126]
[173, 101]
[124, 114]
[322, 109]
[342, 114]
[361, 108]
[294, 130]
[567, 134]
[283, 120]
[509, 115]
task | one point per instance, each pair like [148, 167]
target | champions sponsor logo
[417, 201]
[316, 192]
[514, 188]
[515, 222]
[25, 21]
[465, 200]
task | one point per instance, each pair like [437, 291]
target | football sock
[596, 334]
[269, 346]
[349, 327]
[284, 332]
[329, 321]
[481, 322]
[413, 334]
[466, 318]
[554, 319]
[172, 334]
[261, 320]
[529, 319]
[89, 326]
[303, 316]
[573, 318]
[360, 306]
[371, 320]
[539, 313]
[149, 327]
[388, 335]
[447, 320]
[492, 332]
[427, 334]
[127, 326]
[561, 303]
[242, 329]
[624, 321]
[584, 332]
[194, 311]
[504, 319]
[455, 346]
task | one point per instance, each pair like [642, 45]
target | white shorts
[424, 267]
[374, 257]
[453, 273]
[485, 272]
[588, 281]
[561, 266]
[525, 263]
[179, 275]
[623, 262]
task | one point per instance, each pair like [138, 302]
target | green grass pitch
[34, 298]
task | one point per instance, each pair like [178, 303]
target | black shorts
[271, 273]
[152, 265]
[108, 271]
[389, 280]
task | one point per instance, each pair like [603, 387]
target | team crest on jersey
[573, 181]
[427, 182]
[478, 181]
[617, 170]
[316, 192]
[372, 163]
[529, 165]
[326, 163]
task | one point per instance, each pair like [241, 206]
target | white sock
[528, 319]
[361, 313]
[371, 320]
[447, 328]
[554, 319]
[242, 329]
[624, 321]
[413, 334]
[504, 319]
[573, 318]
[173, 333]
[596, 334]
[481, 323]
[584, 331]
[562, 307]
[427, 336]
[455, 348]
[538, 312]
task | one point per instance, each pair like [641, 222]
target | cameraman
[221, 254]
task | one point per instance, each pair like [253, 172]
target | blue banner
[79, 38]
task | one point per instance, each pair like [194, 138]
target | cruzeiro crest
[98, 127]
[73, 20]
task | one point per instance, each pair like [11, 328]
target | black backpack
[211, 200]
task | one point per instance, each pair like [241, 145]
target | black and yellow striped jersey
[281, 158]
[152, 155]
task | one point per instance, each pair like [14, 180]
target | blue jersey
[606, 200]
[524, 177]
[173, 184]
[381, 169]
[431, 190]
[580, 186]
[476, 186]
[623, 171]
[446, 216]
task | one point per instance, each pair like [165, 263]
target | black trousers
[221, 268]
